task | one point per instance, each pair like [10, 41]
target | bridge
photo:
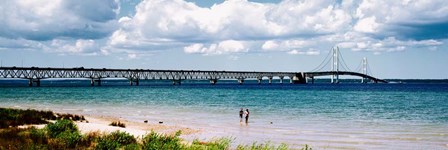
[35, 74]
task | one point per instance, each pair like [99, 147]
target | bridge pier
[312, 80]
[93, 80]
[281, 79]
[299, 78]
[240, 81]
[31, 81]
[270, 79]
[213, 81]
[136, 80]
[259, 79]
[176, 81]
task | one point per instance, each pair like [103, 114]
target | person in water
[246, 114]
[241, 115]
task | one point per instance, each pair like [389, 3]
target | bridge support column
[136, 80]
[37, 82]
[299, 78]
[240, 81]
[176, 81]
[281, 79]
[93, 80]
[291, 80]
[270, 80]
[213, 81]
[30, 82]
[312, 80]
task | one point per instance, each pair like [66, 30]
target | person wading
[246, 114]
[241, 115]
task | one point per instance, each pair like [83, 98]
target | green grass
[16, 117]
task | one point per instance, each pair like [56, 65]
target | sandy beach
[101, 124]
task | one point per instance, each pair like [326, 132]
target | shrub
[60, 126]
[219, 144]
[38, 136]
[15, 117]
[69, 139]
[115, 140]
[119, 124]
[265, 146]
[154, 141]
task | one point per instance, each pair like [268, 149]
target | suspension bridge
[34, 75]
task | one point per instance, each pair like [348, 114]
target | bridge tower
[335, 65]
[364, 69]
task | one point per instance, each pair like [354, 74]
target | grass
[16, 117]
[64, 134]
[117, 124]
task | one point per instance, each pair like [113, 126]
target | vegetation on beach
[117, 124]
[64, 134]
[16, 117]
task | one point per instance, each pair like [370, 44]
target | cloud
[390, 44]
[156, 26]
[308, 52]
[78, 47]
[224, 47]
[42, 20]
[406, 19]
[231, 27]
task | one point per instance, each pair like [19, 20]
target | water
[325, 116]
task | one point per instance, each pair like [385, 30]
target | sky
[405, 39]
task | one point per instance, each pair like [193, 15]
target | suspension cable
[319, 67]
[343, 61]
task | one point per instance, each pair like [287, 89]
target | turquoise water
[326, 116]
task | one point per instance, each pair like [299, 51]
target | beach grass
[117, 124]
[64, 134]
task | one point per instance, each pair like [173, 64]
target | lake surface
[325, 116]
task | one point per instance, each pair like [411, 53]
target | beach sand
[101, 125]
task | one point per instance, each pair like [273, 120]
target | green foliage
[307, 147]
[265, 146]
[118, 124]
[15, 117]
[218, 144]
[115, 140]
[69, 139]
[154, 141]
[60, 126]
[38, 136]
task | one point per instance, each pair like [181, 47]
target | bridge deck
[34, 74]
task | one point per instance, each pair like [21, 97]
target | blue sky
[401, 39]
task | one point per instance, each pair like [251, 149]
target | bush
[154, 141]
[38, 136]
[15, 117]
[219, 144]
[60, 126]
[115, 140]
[69, 139]
[119, 124]
[265, 146]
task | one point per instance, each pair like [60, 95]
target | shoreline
[98, 123]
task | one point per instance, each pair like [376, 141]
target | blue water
[327, 116]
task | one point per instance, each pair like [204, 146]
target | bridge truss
[338, 67]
